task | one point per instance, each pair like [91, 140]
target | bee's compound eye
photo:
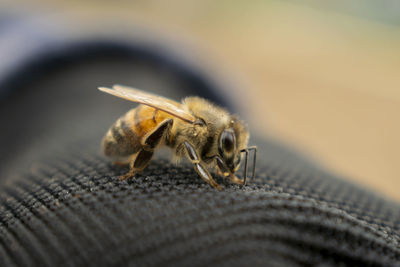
[227, 140]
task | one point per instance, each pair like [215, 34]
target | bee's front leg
[219, 172]
[230, 176]
[223, 171]
[199, 168]
[234, 179]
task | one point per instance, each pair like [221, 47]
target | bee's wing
[155, 101]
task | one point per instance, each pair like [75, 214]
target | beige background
[331, 79]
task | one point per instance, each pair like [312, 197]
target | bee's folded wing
[155, 101]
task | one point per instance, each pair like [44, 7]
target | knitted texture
[62, 204]
[73, 210]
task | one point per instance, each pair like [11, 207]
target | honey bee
[204, 133]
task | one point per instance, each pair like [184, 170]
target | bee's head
[230, 142]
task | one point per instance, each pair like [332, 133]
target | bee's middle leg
[198, 167]
[149, 143]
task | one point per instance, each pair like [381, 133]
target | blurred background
[321, 76]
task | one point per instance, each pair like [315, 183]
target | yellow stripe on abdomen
[125, 135]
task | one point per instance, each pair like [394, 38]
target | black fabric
[61, 203]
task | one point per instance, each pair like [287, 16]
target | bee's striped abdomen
[124, 138]
[121, 141]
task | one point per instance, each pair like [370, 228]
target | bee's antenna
[254, 161]
[246, 151]
[245, 165]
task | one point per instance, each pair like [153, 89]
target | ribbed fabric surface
[73, 210]
[61, 203]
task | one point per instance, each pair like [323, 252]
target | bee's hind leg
[150, 142]
[138, 163]
[121, 163]
[198, 167]
[131, 171]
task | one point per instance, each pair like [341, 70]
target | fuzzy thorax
[204, 134]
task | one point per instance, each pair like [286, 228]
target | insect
[204, 133]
